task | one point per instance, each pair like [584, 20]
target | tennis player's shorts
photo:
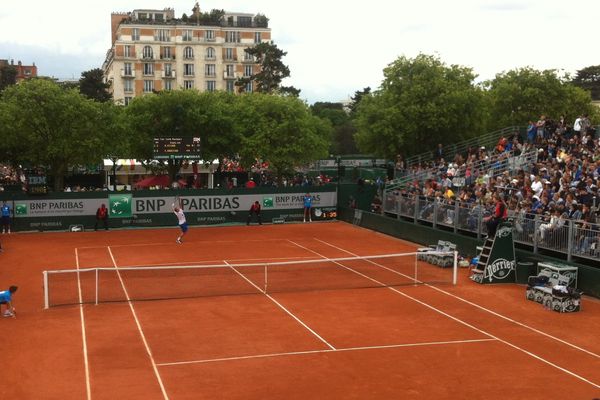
[184, 227]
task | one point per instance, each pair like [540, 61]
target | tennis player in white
[177, 209]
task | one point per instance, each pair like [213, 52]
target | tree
[589, 79]
[358, 95]
[92, 85]
[46, 125]
[8, 76]
[421, 102]
[282, 131]
[520, 95]
[343, 129]
[272, 71]
[209, 115]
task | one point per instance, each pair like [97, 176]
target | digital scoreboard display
[176, 147]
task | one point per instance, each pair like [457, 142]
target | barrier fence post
[455, 268]
[570, 241]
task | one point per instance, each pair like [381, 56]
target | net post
[266, 279]
[97, 285]
[416, 278]
[46, 296]
[455, 268]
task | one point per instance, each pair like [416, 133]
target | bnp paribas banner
[126, 205]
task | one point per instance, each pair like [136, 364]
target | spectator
[251, 184]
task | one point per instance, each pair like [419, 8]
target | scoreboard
[176, 147]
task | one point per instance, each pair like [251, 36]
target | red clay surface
[405, 342]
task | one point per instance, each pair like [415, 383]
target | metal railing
[540, 232]
[488, 140]
[496, 165]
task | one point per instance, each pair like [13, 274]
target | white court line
[282, 307]
[209, 262]
[88, 387]
[476, 305]
[464, 322]
[187, 242]
[295, 353]
[139, 326]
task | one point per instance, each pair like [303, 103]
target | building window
[128, 85]
[135, 34]
[148, 69]
[127, 69]
[148, 86]
[142, 16]
[127, 51]
[168, 84]
[127, 100]
[211, 86]
[188, 69]
[230, 86]
[162, 35]
[257, 37]
[165, 52]
[229, 54]
[229, 70]
[188, 84]
[244, 21]
[247, 70]
[232, 36]
[209, 36]
[168, 68]
[148, 53]
[210, 53]
[210, 70]
[187, 35]
[159, 17]
[188, 53]
[248, 56]
[248, 87]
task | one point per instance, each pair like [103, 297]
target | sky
[334, 47]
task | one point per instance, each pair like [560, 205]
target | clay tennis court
[337, 332]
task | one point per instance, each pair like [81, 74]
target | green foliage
[8, 76]
[520, 95]
[589, 79]
[282, 131]
[46, 125]
[421, 102]
[92, 85]
[209, 115]
[358, 95]
[261, 21]
[343, 129]
[272, 70]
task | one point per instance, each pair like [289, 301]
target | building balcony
[210, 74]
[188, 57]
[167, 57]
[234, 75]
[147, 58]
[248, 61]
[210, 58]
[188, 75]
[230, 59]
[168, 75]
[127, 74]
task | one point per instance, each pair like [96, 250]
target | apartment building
[152, 51]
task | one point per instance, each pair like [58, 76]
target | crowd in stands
[10, 176]
[552, 174]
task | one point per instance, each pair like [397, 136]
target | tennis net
[121, 284]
